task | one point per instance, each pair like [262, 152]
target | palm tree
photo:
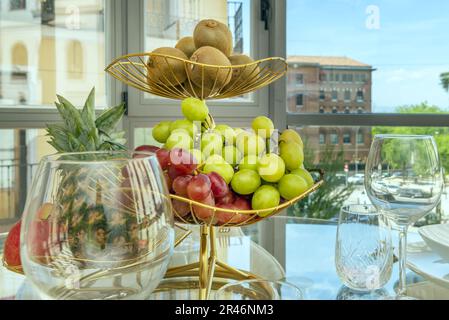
[445, 80]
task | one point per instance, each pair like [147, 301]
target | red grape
[147, 148]
[227, 198]
[242, 204]
[173, 173]
[163, 156]
[218, 185]
[183, 160]
[204, 213]
[199, 187]
[230, 217]
[180, 185]
[168, 180]
[181, 208]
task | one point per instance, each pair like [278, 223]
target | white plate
[437, 238]
[422, 260]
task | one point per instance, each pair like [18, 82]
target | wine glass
[259, 289]
[363, 251]
[97, 225]
[404, 180]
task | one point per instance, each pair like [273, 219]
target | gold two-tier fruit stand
[133, 70]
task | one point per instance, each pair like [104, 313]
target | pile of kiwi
[211, 44]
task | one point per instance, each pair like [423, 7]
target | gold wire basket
[245, 217]
[176, 78]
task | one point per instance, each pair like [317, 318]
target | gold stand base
[208, 268]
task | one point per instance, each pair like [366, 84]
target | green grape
[225, 170]
[303, 173]
[264, 198]
[248, 143]
[250, 162]
[215, 158]
[227, 133]
[231, 155]
[271, 167]
[292, 186]
[161, 131]
[291, 135]
[292, 154]
[263, 126]
[184, 124]
[179, 138]
[194, 109]
[245, 182]
[211, 143]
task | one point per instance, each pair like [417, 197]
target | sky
[406, 41]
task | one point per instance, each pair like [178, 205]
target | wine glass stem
[402, 261]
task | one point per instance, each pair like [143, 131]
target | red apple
[11, 251]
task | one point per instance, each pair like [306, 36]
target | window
[75, 60]
[42, 49]
[321, 109]
[347, 95]
[17, 4]
[360, 138]
[334, 109]
[346, 138]
[337, 77]
[322, 95]
[299, 100]
[322, 138]
[299, 79]
[334, 138]
[360, 97]
[334, 95]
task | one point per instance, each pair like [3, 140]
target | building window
[334, 95]
[334, 138]
[337, 77]
[322, 76]
[299, 100]
[360, 139]
[17, 4]
[359, 110]
[299, 78]
[322, 138]
[360, 97]
[347, 110]
[322, 95]
[347, 138]
[348, 77]
[75, 60]
[321, 109]
[334, 110]
[347, 95]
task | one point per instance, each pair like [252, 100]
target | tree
[325, 203]
[445, 80]
[441, 135]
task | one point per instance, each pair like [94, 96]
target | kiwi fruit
[240, 75]
[168, 71]
[215, 34]
[212, 56]
[186, 45]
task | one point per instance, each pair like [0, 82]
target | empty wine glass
[97, 225]
[404, 180]
[259, 290]
[363, 251]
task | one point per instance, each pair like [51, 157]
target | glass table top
[301, 252]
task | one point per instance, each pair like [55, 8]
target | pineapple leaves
[82, 131]
[109, 119]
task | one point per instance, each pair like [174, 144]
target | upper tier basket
[176, 78]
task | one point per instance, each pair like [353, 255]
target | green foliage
[441, 135]
[445, 81]
[325, 203]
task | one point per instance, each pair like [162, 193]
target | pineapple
[86, 205]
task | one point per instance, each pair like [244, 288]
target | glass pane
[51, 47]
[166, 21]
[368, 56]
[342, 153]
[20, 152]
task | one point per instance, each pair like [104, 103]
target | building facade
[318, 84]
